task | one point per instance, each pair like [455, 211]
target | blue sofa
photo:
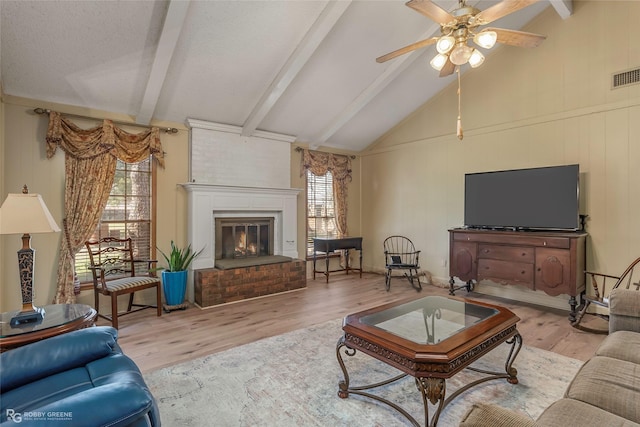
[81, 378]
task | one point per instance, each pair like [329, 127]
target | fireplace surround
[242, 206]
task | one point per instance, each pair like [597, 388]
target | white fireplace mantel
[207, 201]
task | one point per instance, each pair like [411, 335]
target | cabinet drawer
[507, 253]
[515, 238]
[506, 271]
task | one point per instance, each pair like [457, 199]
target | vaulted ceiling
[296, 67]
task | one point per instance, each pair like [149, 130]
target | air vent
[625, 78]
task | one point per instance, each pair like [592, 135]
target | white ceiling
[296, 67]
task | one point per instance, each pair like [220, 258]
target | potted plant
[174, 276]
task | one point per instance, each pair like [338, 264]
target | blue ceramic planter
[174, 285]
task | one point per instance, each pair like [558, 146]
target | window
[130, 212]
[321, 214]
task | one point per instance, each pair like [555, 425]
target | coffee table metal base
[432, 389]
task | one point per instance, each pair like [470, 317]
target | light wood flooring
[155, 342]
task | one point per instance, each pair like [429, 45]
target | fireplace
[244, 237]
[249, 236]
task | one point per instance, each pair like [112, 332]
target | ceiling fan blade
[504, 8]
[449, 68]
[518, 38]
[431, 11]
[406, 49]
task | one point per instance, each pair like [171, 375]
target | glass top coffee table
[430, 339]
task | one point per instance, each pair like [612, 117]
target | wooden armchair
[603, 284]
[401, 254]
[114, 274]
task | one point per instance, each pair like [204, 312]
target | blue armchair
[81, 378]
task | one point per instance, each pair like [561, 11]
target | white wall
[220, 155]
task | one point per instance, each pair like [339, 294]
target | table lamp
[26, 214]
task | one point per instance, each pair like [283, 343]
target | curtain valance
[106, 138]
[319, 163]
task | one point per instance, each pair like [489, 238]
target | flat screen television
[545, 198]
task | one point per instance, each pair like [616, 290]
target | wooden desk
[329, 245]
[58, 319]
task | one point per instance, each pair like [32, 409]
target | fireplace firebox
[240, 238]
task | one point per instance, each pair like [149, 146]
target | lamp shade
[476, 59]
[438, 61]
[486, 39]
[26, 214]
[445, 44]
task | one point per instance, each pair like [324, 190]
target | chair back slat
[111, 255]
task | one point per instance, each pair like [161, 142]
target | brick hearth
[214, 286]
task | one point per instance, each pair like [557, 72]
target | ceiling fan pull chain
[459, 124]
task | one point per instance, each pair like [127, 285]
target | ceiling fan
[459, 26]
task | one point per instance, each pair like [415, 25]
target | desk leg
[360, 263]
[346, 262]
[314, 264]
[326, 266]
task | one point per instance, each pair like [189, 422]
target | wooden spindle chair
[401, 254]
[602, 285]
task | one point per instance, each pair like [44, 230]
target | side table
[58, 319]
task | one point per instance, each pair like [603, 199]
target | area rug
[292, 380]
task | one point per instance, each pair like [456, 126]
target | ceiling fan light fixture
[476, 59]
[486, 39]
[460, 54]
[445, 44]
[438, 61]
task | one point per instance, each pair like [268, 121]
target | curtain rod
[47, 111]
[350, 156]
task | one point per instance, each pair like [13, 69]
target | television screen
[537, 198]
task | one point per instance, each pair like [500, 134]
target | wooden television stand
[549, 261]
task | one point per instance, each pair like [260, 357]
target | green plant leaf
[179, 259]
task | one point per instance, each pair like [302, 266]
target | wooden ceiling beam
[563, 7]
[316, 34]
[393, 70]
[171, 29]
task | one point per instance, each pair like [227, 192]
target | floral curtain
[90, 163]
[319, 163]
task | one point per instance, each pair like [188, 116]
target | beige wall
[2, 192]
[522, 108]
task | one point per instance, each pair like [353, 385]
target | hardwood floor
[155, 342]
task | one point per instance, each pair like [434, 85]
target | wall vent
[625, 78]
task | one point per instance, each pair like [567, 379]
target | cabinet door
[553, 271]
[463, 262]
